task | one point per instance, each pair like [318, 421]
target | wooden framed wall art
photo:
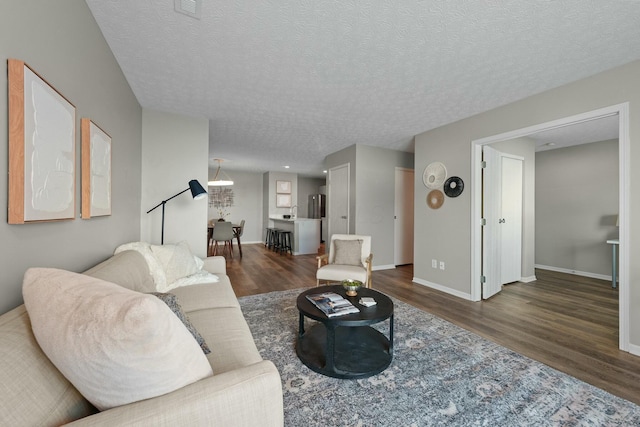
[41, 149]
[96, 170]
[283, 187]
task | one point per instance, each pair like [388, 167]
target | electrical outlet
[441, 265]
[434, 263]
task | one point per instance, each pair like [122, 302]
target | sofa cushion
[33, 392]
[207, 295]
[348, 252]
[128, 269]
[234, 345]
[172, 302]
[116, 346]
[155, 269]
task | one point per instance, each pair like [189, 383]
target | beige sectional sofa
[244, 390]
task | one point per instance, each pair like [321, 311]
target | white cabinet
[306, 233]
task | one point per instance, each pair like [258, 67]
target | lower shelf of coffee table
[359, 352]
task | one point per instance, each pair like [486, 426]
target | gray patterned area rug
[441, 375]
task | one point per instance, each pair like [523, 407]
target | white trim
[328, 185]
[634, 349]
[528, 279]
[575, 272]
[442, 288]
[383, 267]
[622, 110]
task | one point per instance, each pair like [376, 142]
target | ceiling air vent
[188, 7]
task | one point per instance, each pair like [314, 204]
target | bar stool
[276, 239]
[285, 242]
[268, 238]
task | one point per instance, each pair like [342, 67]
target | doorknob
[343, 217]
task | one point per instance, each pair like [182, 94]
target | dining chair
[237, 232]
[348, 257]
[223, 232]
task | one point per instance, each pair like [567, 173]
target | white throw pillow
[116, 346]
[177, 262]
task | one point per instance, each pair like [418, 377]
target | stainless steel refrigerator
[317, 205]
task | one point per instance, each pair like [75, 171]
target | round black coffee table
[345, 346]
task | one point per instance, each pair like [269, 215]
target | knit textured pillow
[172, 302]
[348, 252]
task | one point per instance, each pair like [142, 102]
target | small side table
[614, 262]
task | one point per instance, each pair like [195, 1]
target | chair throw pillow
[172, 302]
[115, 345]
[348, 252]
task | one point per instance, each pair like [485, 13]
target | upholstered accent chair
[348, 256]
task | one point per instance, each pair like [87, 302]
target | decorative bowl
[351, 286]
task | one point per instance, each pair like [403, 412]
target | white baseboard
[528, 279]
[383, 267]
[634, 349]
[441, 288]
[576, 272]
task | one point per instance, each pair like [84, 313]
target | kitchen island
[306, 233]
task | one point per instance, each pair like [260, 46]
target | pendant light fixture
[220, 178]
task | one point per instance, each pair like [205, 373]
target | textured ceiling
[287, 82]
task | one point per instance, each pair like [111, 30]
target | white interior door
[491, 231]
[403, 224]
[511, 216]
[338, 200]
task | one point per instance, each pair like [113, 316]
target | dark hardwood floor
[564, 321]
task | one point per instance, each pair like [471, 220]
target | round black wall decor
[453, 186]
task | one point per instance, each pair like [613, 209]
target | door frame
[330, 232]
[405, 212]
[622, 111]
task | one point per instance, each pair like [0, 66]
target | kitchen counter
[306, 233]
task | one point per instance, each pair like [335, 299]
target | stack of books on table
[332, 304]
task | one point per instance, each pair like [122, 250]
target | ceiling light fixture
[220, 178]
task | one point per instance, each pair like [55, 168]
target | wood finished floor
[567, 322]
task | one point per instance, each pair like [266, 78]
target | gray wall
[61, 41]
[343, 157]
[307, 186]
[446, 234]
[373, 195]
[576, 207]
[248, 203]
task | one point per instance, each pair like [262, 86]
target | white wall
[576, 205]
[61, 41]
[175, 150]
[446, 234]
[270, 195]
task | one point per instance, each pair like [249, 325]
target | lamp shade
[197, 191]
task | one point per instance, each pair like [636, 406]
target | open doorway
[619, 111]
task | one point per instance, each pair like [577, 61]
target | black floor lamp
[197, 192]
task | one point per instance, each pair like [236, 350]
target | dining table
[236, 234]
